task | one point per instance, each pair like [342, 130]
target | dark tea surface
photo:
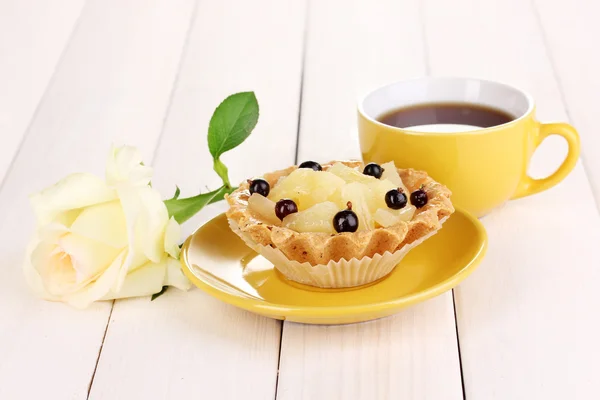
[465, 114]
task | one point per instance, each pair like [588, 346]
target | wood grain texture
[33, 36]
[571, 33]
[398, 357]
[189, 344]
[77, 78]
[524, 316]
[353, 47]
[113, 84]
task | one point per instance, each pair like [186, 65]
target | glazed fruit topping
[390, 173]
[285, 207]
[360, 196]
[315, 166]
[396, 199]
[317, 218]
[307, 187]
[346, 220]
[309, 200]
[373, 170]
[259, 186]
[387, 217]
[263, 208]
[418, 198]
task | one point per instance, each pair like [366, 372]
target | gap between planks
[427, 63]
[414, 68]
[112, 306]
[42, 97]
[561, 90]
[154, 153]
[303, 61]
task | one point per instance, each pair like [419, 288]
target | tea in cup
[475, 136]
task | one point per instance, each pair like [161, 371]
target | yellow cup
[484, 167]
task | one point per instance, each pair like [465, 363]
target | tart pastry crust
[321, 248]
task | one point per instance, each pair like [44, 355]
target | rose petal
[52, 232]
[48, 270]
[124, 164]
[145, 280]
[88, 257]
[103, 222]
[130, 204]
[172, 238]
[74, 191]
[146, 217]
[152, 221]
[175, 276]
[32, 277]
[98, 289]
[66, 218]
[150, 278]
[54, 268]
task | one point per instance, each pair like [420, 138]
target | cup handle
[528, 185]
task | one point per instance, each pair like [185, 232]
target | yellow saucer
[218, 262]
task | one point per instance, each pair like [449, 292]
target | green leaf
[177, 193]
[184, 209]
[222, 171]
[157, 295]
[232, 122]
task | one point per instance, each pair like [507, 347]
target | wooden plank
[576, 64]
[189, 342]
[113, 84]
[33, 35]
[525, 316]
[393, 358]
[353, 47]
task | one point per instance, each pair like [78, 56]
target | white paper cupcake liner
[340, 274]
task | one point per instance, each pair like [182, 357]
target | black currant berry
[285, 207]
[396, 199]
[418, 198]
[259, 186]
[315, 166]
[373, 170]
[346, 220]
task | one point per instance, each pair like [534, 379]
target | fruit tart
[340, 224]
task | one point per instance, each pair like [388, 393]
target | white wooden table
[77, 75]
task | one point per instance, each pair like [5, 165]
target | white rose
[102, 240]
